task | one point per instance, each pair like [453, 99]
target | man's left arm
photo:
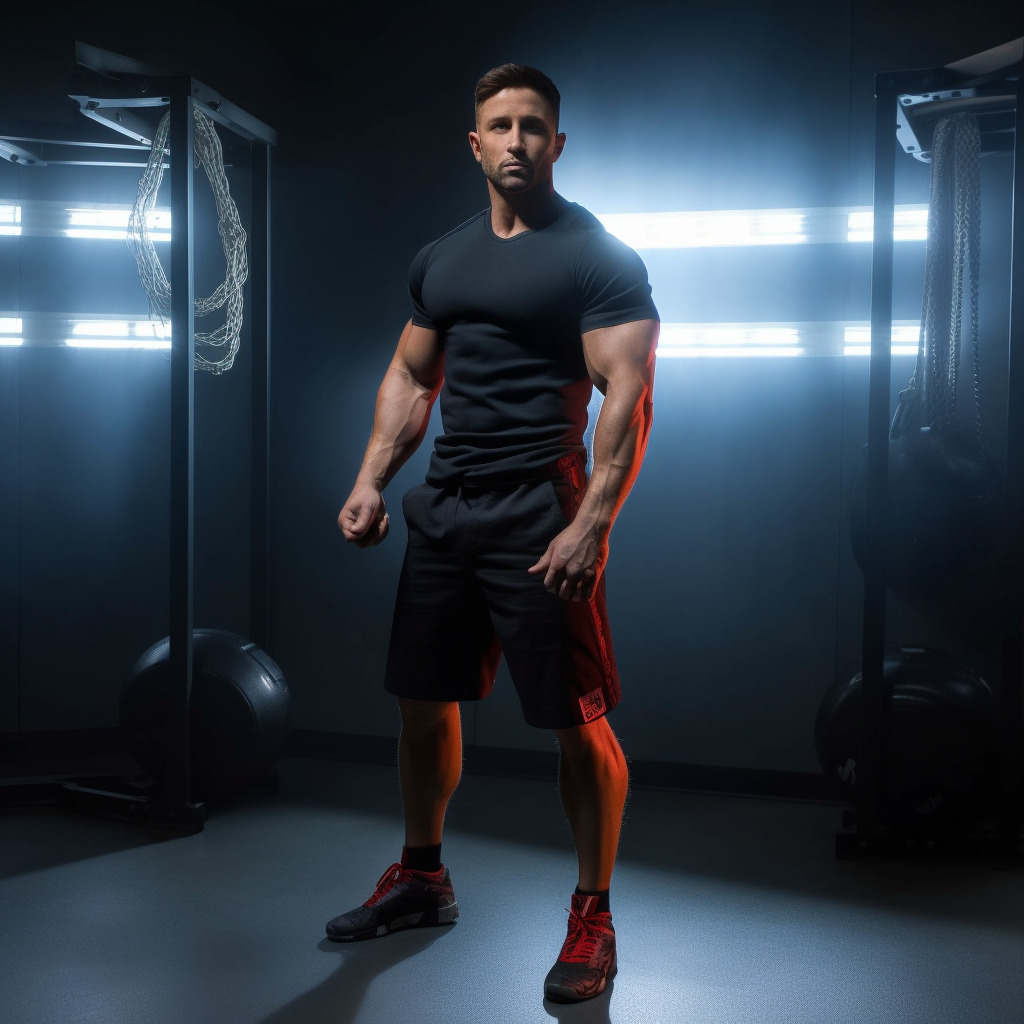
[621, 364]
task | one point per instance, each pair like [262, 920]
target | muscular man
[517, 314]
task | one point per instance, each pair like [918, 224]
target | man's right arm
[401, 414]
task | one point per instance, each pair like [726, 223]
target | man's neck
[514, 213]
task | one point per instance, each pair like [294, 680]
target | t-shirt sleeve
[417, 270]
[614, 283]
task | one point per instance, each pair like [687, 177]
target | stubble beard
[506, 182]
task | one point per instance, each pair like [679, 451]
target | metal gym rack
[908, 105]
[122, 95]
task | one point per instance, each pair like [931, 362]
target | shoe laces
[385, 884]
[392, 877]
[584, 938]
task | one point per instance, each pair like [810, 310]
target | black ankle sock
[603, 903]
[422, 858]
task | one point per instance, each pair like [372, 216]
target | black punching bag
[940, 754]
[239, 712]
[945, 534]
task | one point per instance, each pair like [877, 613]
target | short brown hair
[517, 76]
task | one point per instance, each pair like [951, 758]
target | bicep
[420, 355]
[625, 351]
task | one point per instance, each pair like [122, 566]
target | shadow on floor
[43, 837]
[338, 999]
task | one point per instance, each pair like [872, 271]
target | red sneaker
[403, 898]
[587, 961]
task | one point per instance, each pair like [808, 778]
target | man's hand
[572, 563]
[364, 519]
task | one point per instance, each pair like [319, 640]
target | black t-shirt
[510, 313]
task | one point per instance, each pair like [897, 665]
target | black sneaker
[403, 899]
[587, 961]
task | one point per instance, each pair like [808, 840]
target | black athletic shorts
[465, 599]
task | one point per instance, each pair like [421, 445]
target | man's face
[516, 139]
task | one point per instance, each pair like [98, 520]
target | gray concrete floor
[728, 910]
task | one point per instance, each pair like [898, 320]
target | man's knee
[424, 716]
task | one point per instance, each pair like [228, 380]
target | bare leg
[429, 766]
[593, 781]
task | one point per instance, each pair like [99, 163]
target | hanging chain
[209, 155]
[953, 252]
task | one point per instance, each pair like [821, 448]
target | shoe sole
[557, 994]
[421, 919]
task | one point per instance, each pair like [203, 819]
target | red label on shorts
[592, 705]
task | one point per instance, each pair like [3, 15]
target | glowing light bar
[811, 225]
[10, 330]
[778, 340]
[725, 340]
[910, 224]
[34, 330]
[112, 222]
[905, 338]
[10, 219]
[41, 218]
[686, 230]
[118, 334]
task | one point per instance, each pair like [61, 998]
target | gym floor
[728, 910]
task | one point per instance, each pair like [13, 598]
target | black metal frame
[990, 84]
[127, 88]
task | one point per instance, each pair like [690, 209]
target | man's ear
[474, 143]
[559, 144]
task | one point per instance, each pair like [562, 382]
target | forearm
[401, 415]
[620, 442]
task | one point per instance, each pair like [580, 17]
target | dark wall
[734, 595]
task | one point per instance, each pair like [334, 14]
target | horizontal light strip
[101, 342]
[672, 230]
[10, 219]
[779, 340]
[91, 330]
[718, 340]
[113, 223]
[118, 334]
[692, 229]
[10, 330]
[910, 224]
[906, 338]
[688, 229]
[676, 341]
[45, 219]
